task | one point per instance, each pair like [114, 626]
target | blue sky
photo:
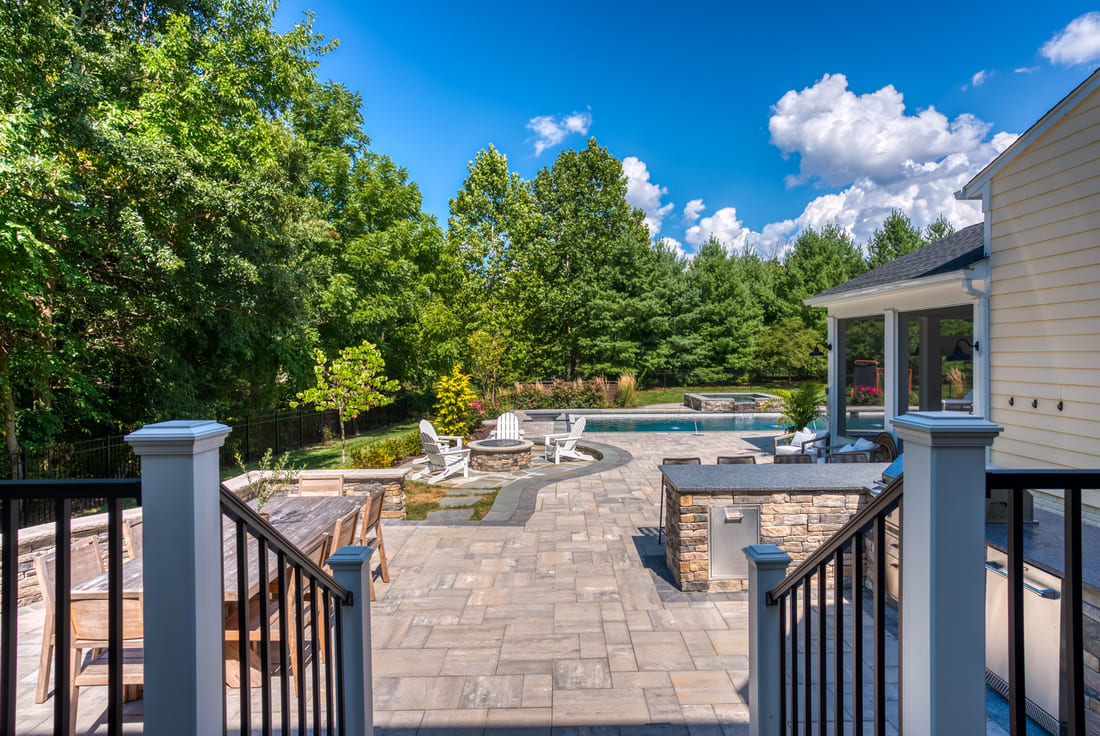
[746, 121]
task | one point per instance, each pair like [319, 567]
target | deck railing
[1071, 483]
[847, 546]
[798, 686]
[184, 611]
[300, 586]
[63, 494]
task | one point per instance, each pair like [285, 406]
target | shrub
[379, 455]
[452, 405]
[627, 394]
[410, 443]
[864, 395]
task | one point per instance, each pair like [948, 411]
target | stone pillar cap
[946, 429]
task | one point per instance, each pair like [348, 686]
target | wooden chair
[85, 563]
[320, 485]
[318, 554]
[557, 446]
[443, 462]
[132, 542]
[794, 460]
[737, 460]
[89, 623]
[372, 522]
[507, 428]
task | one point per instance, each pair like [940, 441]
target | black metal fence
[1071, 483]
[298, 606]
[280, 430]
[62, 494]
[808, 702]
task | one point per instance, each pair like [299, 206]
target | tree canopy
[188, 214]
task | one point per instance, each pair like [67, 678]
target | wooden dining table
[305, 521]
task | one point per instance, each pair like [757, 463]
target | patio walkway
[562, 620]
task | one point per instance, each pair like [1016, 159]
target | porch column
[890, 353]
[181, 511]
[351, 569]
[835, 377]
[930, 378]
[943, 586]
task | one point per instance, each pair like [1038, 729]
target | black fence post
[276, 432]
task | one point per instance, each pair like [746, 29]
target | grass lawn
[675, 395]
[327, 455]
[421, 499]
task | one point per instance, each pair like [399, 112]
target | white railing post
[182, 567]
[351, 569]
[767, 568]
[943, 576]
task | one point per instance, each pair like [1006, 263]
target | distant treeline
[187, 211]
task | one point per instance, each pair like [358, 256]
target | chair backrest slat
[508, 427]
[85, 563]
[320, 485]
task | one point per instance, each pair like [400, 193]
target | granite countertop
[1044, 544]
[768, 478]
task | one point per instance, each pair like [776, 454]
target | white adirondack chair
[443, 461]
[507, 428]
[564, 444]
[445, 441]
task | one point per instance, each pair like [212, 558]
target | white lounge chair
[446, 441]
[966, 403]
[803, 442]
[507, 428]
[564, 444]
[443, 461]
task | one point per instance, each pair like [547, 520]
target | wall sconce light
[817, 350]
[958, 354]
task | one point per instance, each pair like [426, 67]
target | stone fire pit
[497, 456]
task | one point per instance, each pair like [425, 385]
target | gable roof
[953, 253]
[973, 188]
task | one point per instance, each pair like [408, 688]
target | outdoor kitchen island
[712, 511]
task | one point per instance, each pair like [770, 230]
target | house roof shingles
[953, 253]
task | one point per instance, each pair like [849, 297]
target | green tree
[937, 230]
[783, 351]
[589, 254]
[818, 261]
[488, 361]
[895, 238]
[351, 383]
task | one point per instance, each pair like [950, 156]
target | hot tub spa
[728, 402]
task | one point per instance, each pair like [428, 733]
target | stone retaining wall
[357, 482]
[796, 521]
[35, 541]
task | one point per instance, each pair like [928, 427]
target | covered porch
[909, 336]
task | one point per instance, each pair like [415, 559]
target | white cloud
[979, 77]
[841, 137]
[724, 226]
[644, 195]
[1077, 43]
[692, 210]
[922, 185]
[1026, 69]
[550, 130]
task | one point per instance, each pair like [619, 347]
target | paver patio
[565, 621]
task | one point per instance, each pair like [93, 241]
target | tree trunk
[7, 399]
[343, 439]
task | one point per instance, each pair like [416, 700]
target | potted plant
[800, 407]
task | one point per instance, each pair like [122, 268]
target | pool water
[700, 423]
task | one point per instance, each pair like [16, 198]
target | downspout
[983, 392]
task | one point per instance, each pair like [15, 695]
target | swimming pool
[761, 422]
